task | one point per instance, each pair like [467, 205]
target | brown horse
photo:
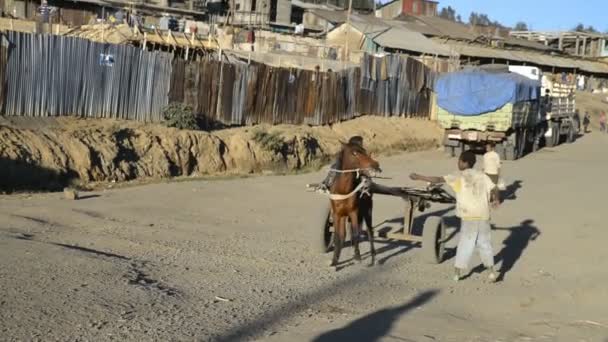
[354, 162]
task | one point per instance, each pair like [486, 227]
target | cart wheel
[327, 231]
[433, 234]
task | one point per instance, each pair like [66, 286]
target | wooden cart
[417, 200]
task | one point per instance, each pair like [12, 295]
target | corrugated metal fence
[257, 93]
[3, 55]
[395, 85]
[238, 94]
[50, 75]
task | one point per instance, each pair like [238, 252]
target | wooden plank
[404, 237]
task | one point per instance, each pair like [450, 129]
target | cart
[433, 236]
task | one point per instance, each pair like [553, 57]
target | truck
[519, 109]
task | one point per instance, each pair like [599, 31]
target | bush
[272, 142]
[180, 116]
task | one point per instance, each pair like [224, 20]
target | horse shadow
[377, 325]
[510, 193]
[513, 248]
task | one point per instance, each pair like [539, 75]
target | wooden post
[577, 47]
[219, 92]
[584, 47]
[560, 45]
[350, 8]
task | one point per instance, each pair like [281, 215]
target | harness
[362, 187]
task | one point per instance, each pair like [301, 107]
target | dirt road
[236, 260]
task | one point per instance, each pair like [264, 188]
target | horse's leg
[354, 232]
[339, 235]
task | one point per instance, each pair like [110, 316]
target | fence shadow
[376, 325]
[19, 175]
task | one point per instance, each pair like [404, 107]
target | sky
[539, 14]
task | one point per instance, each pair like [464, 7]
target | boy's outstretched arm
[430, 179]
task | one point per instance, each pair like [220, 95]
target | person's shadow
[510, 193]
[376, 325]
[514, 245]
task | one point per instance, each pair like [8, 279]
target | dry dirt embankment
[50, 154]
[593, 104]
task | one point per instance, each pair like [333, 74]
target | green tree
[521, 26]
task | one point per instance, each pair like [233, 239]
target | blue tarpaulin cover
[470, 93]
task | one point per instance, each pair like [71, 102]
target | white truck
[557, 106]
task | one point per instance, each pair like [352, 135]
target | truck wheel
[551, 141]
[571, 135]
[500, 150]
[462, 147]
[521, 143]
[557, 136]
[450, 151]
[510, 153]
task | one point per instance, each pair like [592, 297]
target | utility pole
[348, 28]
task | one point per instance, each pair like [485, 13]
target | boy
[475, 191]
[491, 163]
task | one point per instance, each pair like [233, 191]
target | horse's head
[354, 156]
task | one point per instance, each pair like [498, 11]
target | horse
[345, 204]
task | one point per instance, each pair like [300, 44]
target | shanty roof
[527, 57]
[527, 44]
[313, 6]
[438, 27]
[394, 35]
[403, 39]
[334, 17]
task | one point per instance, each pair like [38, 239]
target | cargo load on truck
[470, 93]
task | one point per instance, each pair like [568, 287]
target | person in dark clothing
[331, 176]
[586, 122]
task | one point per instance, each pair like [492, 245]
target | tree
[521, 26]
[581, 28]
[448, 13]
[591, 29]
[473, 18]
[459, 19]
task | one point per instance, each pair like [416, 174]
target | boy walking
[475, 192]
[491, 163]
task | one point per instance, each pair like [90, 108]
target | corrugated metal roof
[437, 26]
[415, 25]
[393, 34]
[527, 44]
[369, 26]
[403, 39]
[528, 57]
[334, 17]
